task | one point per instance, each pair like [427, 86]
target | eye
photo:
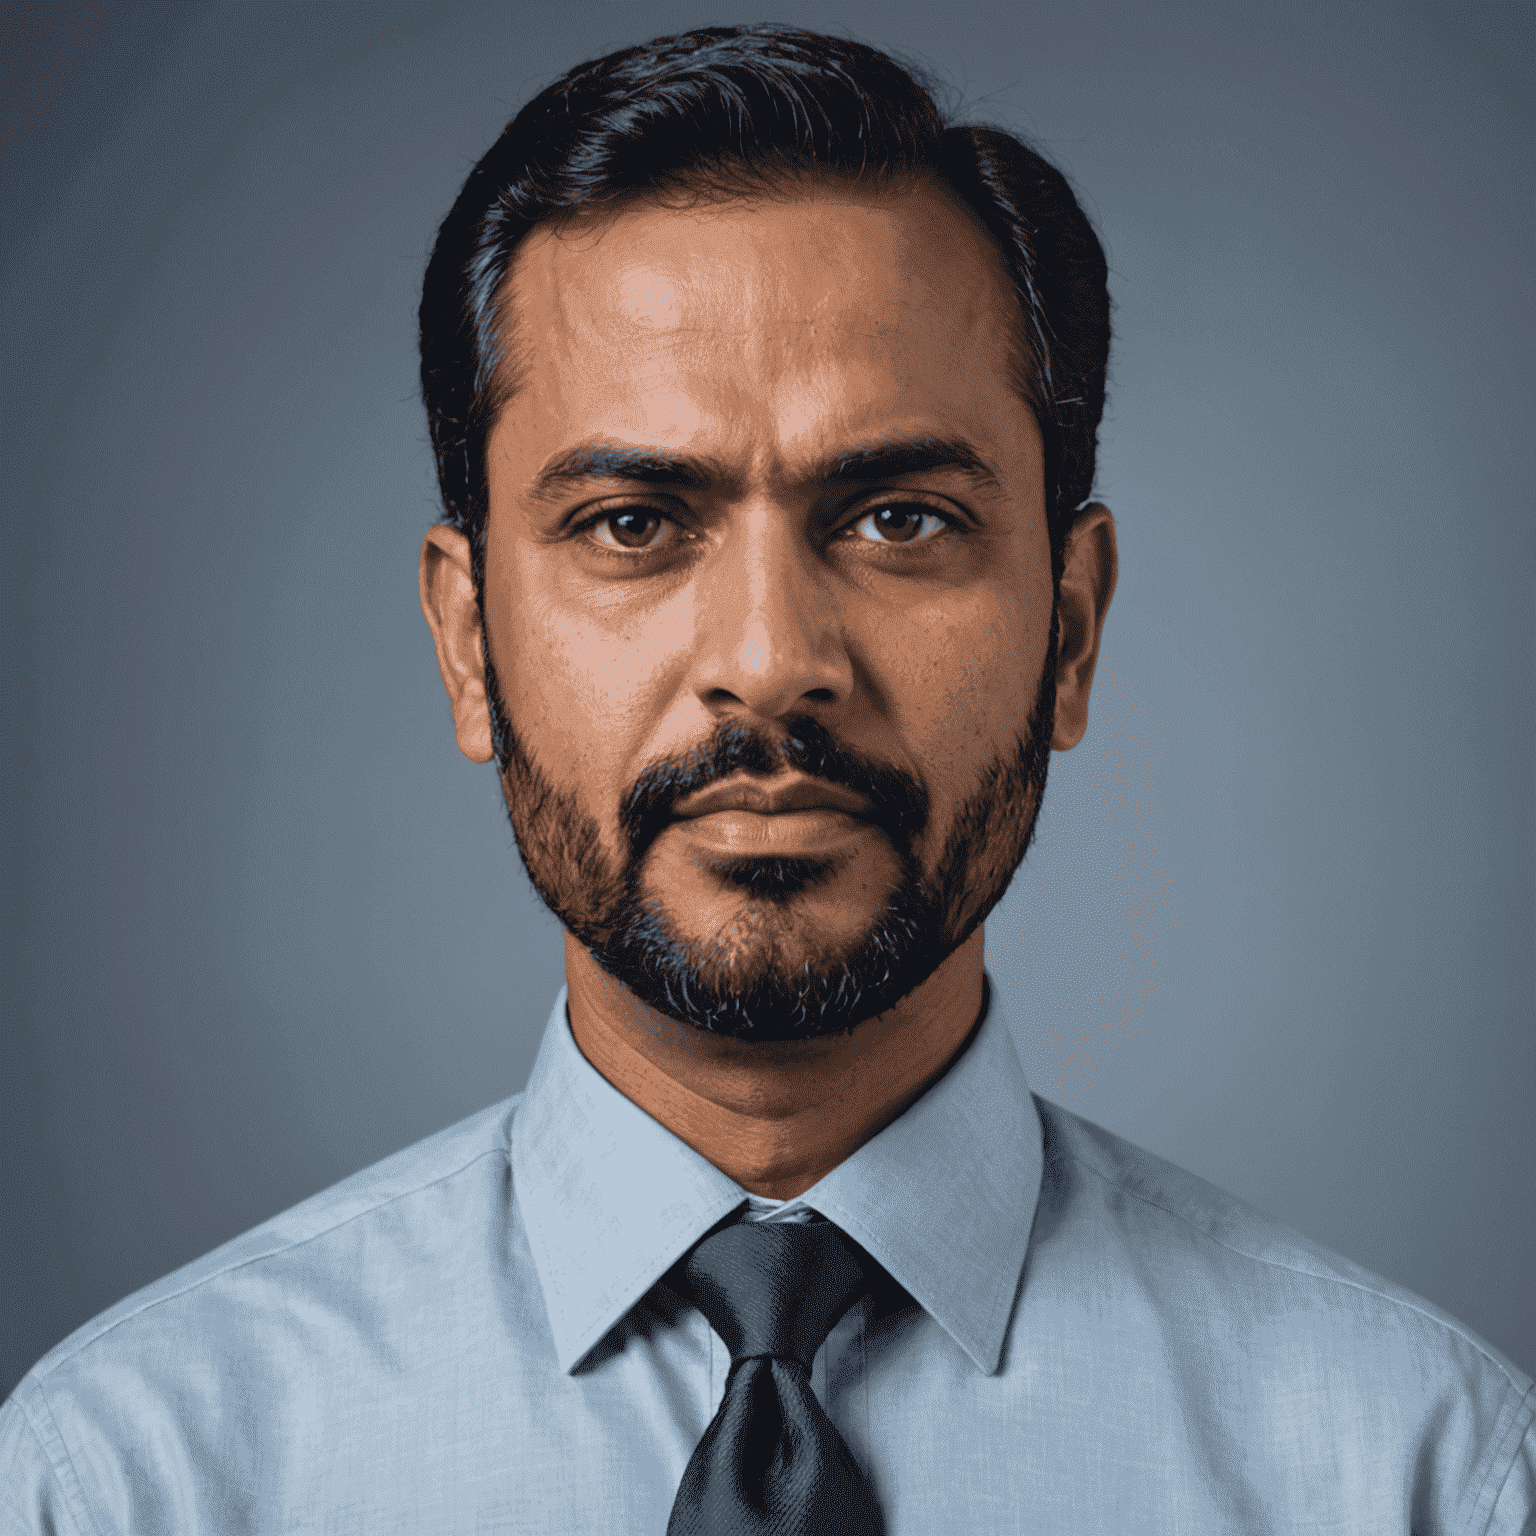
[628, 528]
[900, 523]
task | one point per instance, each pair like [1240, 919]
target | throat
[775, 1116]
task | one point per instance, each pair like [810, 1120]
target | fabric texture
[478, 1336]
[771, 1462]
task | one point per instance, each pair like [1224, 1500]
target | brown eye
[899, 523]
[633, 528]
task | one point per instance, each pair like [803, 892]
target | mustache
[897, 800]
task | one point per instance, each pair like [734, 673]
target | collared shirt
[475, 1336]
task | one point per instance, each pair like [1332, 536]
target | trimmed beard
[701, 982]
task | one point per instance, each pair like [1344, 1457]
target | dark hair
[713, 109]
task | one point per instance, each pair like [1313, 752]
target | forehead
[764, 326]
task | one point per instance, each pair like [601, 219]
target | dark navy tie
[771, 1462]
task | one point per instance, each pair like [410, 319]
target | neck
[775, 1116]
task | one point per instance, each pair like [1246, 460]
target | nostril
[821, 695]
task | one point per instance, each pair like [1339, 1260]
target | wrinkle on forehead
[675, 285]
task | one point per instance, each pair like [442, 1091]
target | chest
[1065, 1438]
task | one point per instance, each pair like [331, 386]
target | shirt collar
[943, 1197]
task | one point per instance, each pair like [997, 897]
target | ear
[1087, 584]
[453, 615]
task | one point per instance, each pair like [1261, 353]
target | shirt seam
[1004, 1289]
[1514, 1437]
[534, 1216]
[1294, 1269]
[257, 1258]
[77, 1504]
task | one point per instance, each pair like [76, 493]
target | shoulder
[408, 1200]
[1215, 1240]
[160, 1397]
[1245, 1330]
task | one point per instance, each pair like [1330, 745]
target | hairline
[735, 184]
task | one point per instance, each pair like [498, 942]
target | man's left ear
[1087, 584]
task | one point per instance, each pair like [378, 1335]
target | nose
[769, 623]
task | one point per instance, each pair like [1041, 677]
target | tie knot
[774, 1288]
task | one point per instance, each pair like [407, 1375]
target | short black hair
[718, 107]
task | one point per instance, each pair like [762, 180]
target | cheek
[965, 682]
[581, 685]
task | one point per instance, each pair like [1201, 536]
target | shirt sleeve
[1514, 1511]
[32, 1502]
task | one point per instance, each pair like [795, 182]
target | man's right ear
[453, 615]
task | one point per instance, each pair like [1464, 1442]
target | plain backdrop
[266, 925]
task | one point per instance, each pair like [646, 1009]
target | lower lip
[784, 833]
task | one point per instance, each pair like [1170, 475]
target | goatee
[705, 983]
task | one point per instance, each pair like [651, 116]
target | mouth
[789, 795]
[793, 817]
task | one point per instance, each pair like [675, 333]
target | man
[764, 404]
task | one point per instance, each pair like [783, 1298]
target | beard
[758, 991]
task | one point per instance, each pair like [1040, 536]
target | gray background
[268, 926]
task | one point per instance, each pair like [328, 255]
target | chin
[776, 968]
[775, 880]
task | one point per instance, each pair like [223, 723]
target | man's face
[768, 598]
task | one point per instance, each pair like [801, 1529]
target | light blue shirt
[471, 1337]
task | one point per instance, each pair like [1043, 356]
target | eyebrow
[891, 458]
[649, 466]
[882, 459]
